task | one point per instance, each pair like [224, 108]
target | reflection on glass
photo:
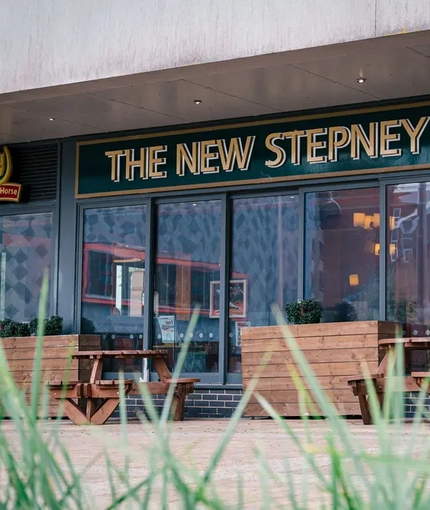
[187, 274]
[342, 253]
[408, 257]
[26, 251]
[264, 255]
[113, 279]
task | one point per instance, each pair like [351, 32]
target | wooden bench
[107, 392]
[421, 378]
[183, 387]
[102, 396]
[379, 381]
[359, 389]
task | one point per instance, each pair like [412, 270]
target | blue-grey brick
[225, 397]
[225, 413]
[210, 397]
[194, 396]
[232, 405]
[198, 402]
[216, 403]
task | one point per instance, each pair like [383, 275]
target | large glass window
[264, 264]
[113, 277]
[25, 254]
[187, 274]
[342, 252]
[408, 256]
[341, 261]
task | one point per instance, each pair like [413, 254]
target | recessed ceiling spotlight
[51, 119]
[194, 205]
[361, 80]
[197, 101]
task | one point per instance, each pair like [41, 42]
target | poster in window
[237, 299]
[167, 328]
[239, 325]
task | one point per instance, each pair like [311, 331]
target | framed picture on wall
[237, 299]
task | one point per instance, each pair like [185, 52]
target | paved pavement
[194, 442]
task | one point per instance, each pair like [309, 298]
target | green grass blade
[35, 383]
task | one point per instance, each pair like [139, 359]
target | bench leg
[105, 411]
[74, 412]
[178, 407]
[364, 408]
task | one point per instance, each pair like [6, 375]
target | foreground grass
[40, 473]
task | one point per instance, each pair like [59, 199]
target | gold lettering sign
[9, 192]
[254, 152]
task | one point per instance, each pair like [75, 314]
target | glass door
[187, 275]
[113, 277]
[342, 250]
[263, 268]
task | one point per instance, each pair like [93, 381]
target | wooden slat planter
[335, 352]
[20, 353]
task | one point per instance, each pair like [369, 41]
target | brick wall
[411, 404]
[203, 403]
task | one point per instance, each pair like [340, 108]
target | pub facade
[139, 230]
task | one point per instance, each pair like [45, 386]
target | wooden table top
[130, 354]
[413, 342]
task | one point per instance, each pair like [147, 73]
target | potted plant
[12, 329]
[304, 311]
[345, 311]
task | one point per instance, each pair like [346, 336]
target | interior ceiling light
[51, 119]
[361, 80]
[197, 101]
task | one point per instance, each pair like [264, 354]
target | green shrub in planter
[10, 328]
[304, 311]
[345, 311]
[53, 326]
[87, 326]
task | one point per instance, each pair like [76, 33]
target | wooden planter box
[20, 353]
[335, 352]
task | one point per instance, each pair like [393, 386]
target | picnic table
[409, 383]
[107, 391]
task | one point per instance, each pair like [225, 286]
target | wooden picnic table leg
[364, 408]
[178, 402]
[91, 408]
[96, 370]
[74, 413]
[382, 368]
[105, 411]
[162, 369]
[178, 407]
[96, 374]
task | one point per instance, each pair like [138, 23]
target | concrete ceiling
[394, 67]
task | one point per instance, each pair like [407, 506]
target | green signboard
[359, 141]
